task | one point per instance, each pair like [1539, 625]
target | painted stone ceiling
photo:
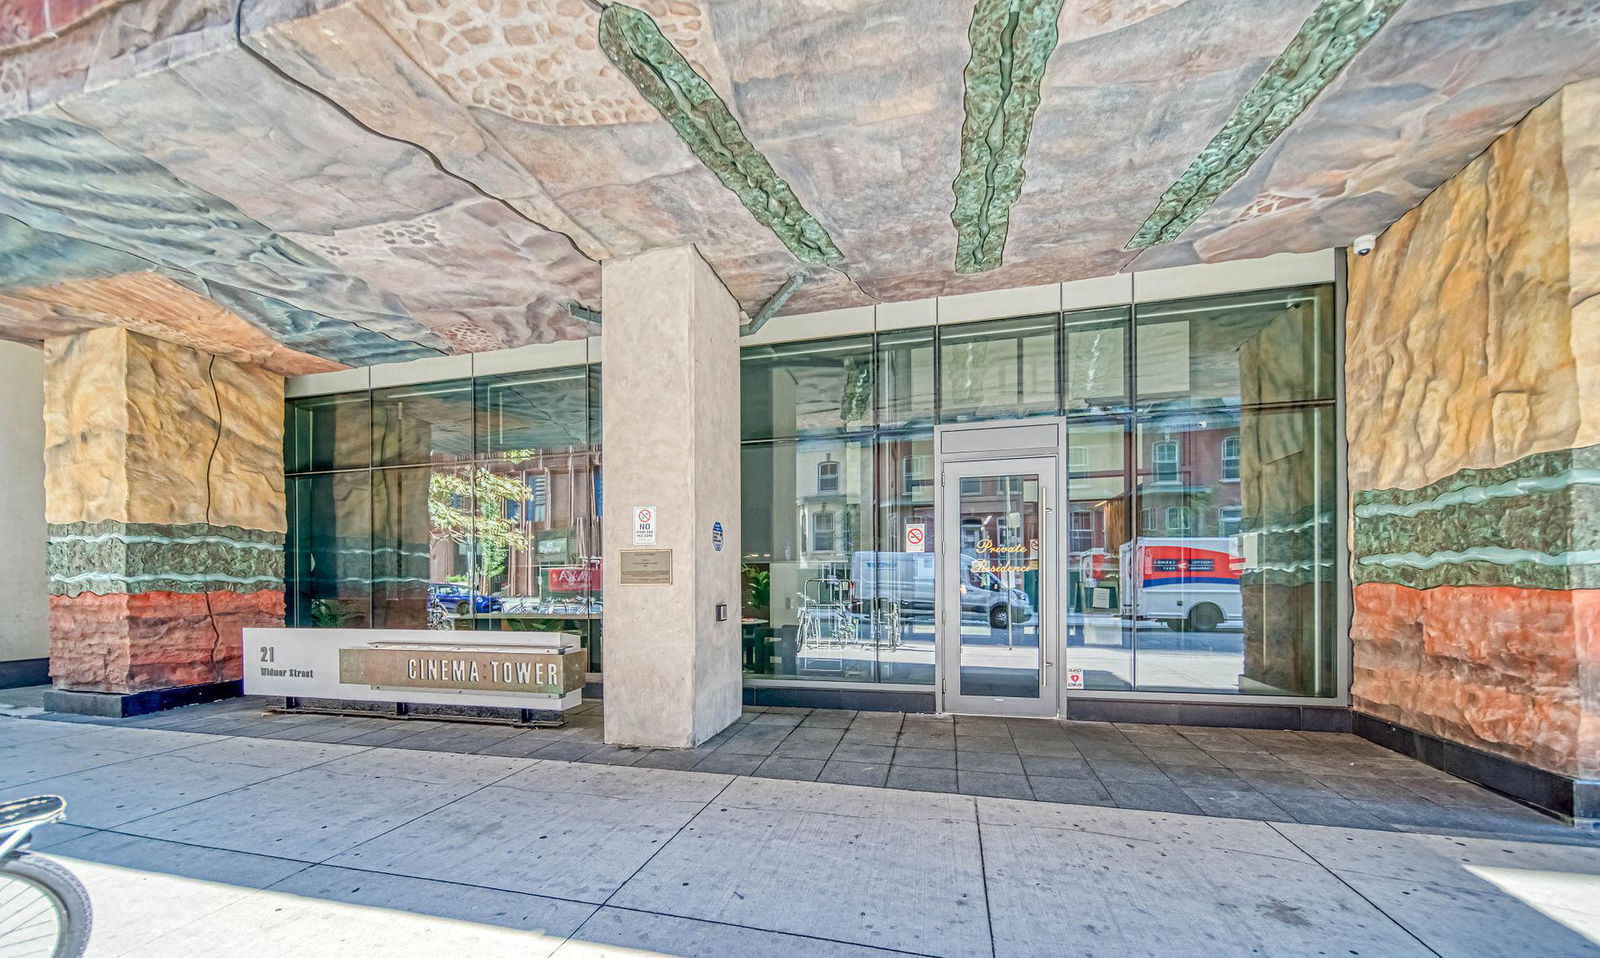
[308, 184]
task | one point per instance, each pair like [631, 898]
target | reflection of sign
[716, 536]
[644, 526]
[646, 566]
[1074, 678]
[574, 578]
[916, 535]
[485, 670]
[1017, 557]
[1183, 565]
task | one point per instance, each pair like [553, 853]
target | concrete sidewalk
[201, 844]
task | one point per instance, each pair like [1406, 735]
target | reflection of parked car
[455, 597]
[907, 578]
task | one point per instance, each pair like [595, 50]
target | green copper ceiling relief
[1011, 42]
[634, 43]
[1328, 40]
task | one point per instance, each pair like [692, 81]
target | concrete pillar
[670, 368]
[164, 497]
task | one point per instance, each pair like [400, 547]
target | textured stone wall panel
[167, 521]
[1529, 337]
[155, 640]
[1496, 668]
[1416, 412]
[85, 427]
[1473, 370]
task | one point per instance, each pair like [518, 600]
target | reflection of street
[1188, 660]
[1168, 660]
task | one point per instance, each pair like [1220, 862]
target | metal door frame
[1004, 448]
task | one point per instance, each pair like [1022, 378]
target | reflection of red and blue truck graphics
[1186, 583]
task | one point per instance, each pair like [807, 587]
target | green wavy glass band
[1328, 40]
[700, 118]
[1521, 524]
[1011, 43]
[111, 557]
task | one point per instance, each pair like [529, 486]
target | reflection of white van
[908, 578]
[1186, 583]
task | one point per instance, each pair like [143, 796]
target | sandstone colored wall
[1472, 373]
[165, 501]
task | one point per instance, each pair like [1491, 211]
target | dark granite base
[463, 713]
[865, 700]
[23, 672]
[129, 704]
[1574, 799]
[1297, 718]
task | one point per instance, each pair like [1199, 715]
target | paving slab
[142, 889]
[552, 918]
[278, 923]
[1465, 896]
[554, 841]
[1067, 891]
[93, 746]
[111, 795]
[622, 933]
[865, 875]
[315, 813]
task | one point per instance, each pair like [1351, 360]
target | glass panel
[906, 378]
[896, 583]
[540, 538]
[998, 370]
[804, 548]
[1236, 577]
[330, 558]
[328, 432]
[520, 413]
[1097, 360]
[431, 422]
[1099, 530]
[1266, 347]
[998, 581]
[800, 388]
[422, 561]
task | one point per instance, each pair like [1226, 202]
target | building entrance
[998, 593]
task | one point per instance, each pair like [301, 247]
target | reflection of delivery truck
[908, 579]
[1185, 583]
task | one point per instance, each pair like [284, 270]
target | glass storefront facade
[468, 503]
[1197, 529]
[1199, 523]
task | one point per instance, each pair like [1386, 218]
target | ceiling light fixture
[635, 44]
[1328, 40]
[1011, 43]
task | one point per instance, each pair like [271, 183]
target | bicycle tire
[63, 887]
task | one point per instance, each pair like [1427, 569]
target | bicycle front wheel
[44, 910]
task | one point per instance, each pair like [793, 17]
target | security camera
[1364, 244]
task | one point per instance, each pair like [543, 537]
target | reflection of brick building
[556, 521]
[1189, 477]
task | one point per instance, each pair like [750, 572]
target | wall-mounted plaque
[646, 566]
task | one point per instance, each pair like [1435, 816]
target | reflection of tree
[469, 505]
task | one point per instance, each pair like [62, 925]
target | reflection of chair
[786, 646]
[757, 648]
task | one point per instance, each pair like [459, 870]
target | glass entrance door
[997, 587]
